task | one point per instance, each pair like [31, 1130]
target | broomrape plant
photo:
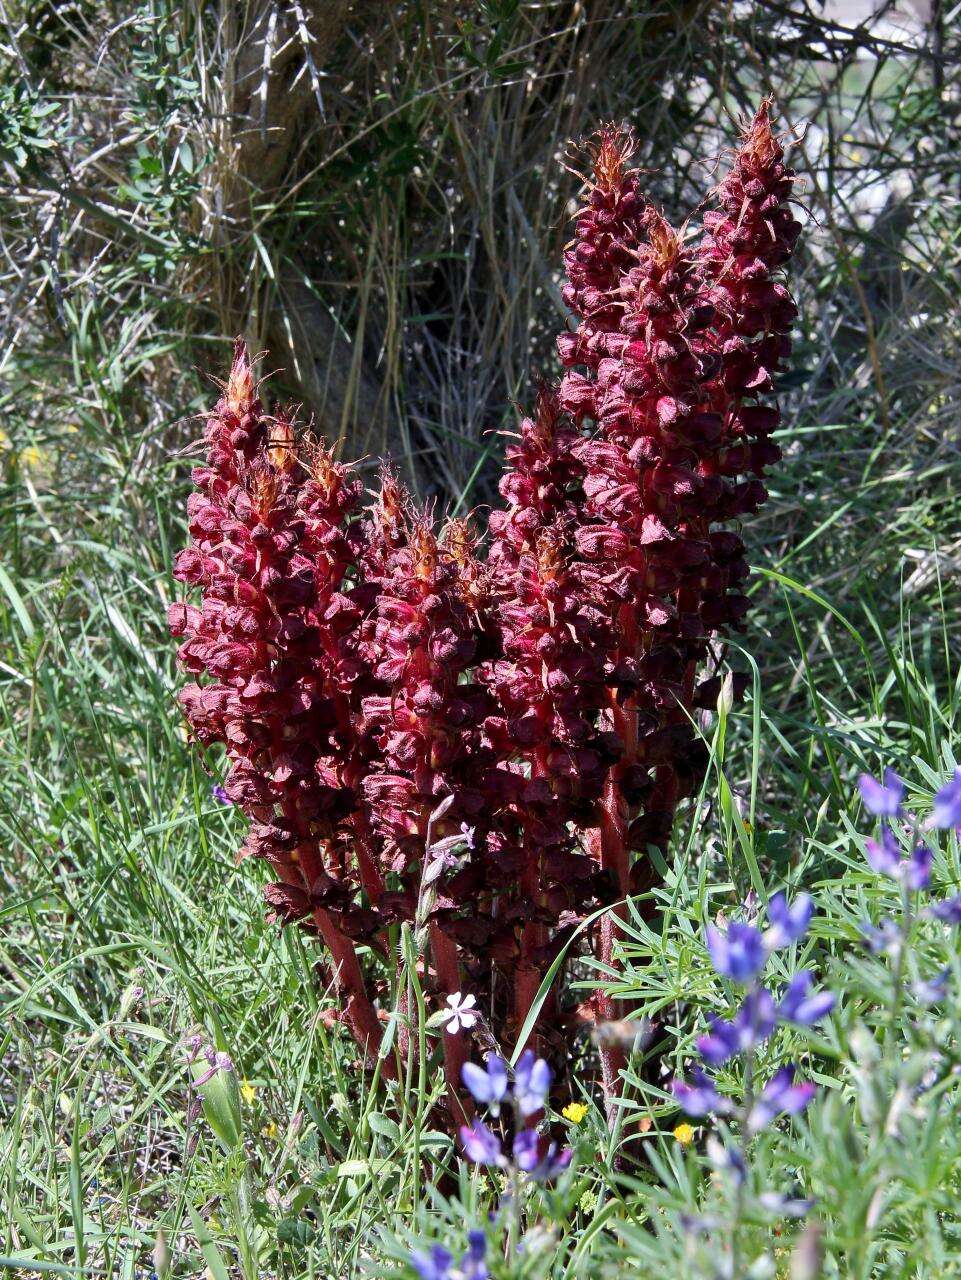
[483, 747]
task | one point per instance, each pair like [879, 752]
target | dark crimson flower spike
[485, 749]
[271, 698]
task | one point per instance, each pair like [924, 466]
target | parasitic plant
[485, 746]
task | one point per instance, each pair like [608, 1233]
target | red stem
[447, 968]
[348, 976]
[527, 979]
[615, 857]
[361, 1014]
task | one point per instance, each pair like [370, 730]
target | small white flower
[460, 1013]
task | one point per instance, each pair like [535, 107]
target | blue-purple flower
[917, 869]
[481, 1146]
[948, 910]
[883, 799]
[884, 857]
[932, 990]
[532, 1083]
[538, 1157]
[437, 1262]
[750, 1026]
[946, 811]
[741, 954]
[789, 922]
[700, 1098]
[219, 794]
[886, 938]
[780, 1096]
[488, 1087]
[473, 1265]
[738, 954]
[802, 1006]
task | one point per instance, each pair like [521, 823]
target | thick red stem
[527, 979]
[615, 857]
[361, 1014]
[348, 976]
[447, 968]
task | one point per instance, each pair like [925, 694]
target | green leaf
[212, 1255]
[383, 1125]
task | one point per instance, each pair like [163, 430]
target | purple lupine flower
[948, 910]
[473, 1265]
[488, 1087]
[788, 922]
[884, 855]
[434, 1265]
[934, 990]
[786, 1206]
[751, 1025]
[886, 939]
[538, 1157]
[800, 1005]
[780, 1096]
[532, 1082]
[481, 1145]
[917, 869]
[525, 1149]
[883, 799]
[219, 794]
[946, 811]
[738, 954]
[700, 1098]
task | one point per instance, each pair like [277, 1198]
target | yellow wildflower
[269, 1130]
[248, 1092]
[575, 1112]
[588, 1202]
[32, 458]
[684, 1134]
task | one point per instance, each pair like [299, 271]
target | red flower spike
[420, 644]
[609, 228]
[272, 704]
[378, 687]
[674, 399]
[550, 687]
[539, 484]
